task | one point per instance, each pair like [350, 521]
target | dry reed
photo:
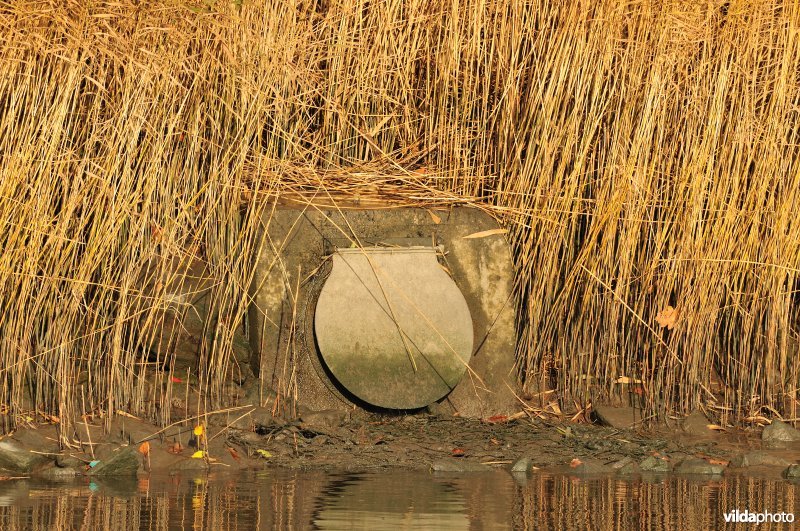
[643, 155]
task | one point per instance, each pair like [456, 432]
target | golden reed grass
[643, 154]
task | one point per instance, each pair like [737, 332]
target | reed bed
[644, 156]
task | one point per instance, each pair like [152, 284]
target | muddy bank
[252, 438]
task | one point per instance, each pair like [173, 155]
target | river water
[391, 500]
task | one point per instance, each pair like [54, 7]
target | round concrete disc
[393, 327]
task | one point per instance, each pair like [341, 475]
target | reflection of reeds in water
[642, 155]
[399, 500]
[564, 502]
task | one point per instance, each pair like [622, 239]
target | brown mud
[252, 438]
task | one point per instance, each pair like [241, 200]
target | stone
[58, 473]
[589, 467]
[458, 465]
[792, 472]
[123, 462]
[779, 434]
[654, 464]
[523, 465]
[15, 458]
[759, 458]
[617, 417]
[190, 465]
[626, 466]
[67, 461]
[326, 419]
[699, 467]
[697, 424]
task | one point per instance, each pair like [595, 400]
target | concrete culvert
[394, 309]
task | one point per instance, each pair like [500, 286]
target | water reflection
[388, 500]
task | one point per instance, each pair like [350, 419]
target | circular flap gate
[392, 326]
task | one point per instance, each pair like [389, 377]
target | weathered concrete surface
[392, 326]
[291, 269]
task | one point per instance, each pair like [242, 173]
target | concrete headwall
[289, 277]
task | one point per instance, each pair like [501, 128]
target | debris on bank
[254, 438]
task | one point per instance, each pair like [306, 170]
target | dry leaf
[715, 427]
[494, 419]
[667, 317]
[575, 463]
[485, 233]
[458, 452]
[176, 448]
[719, 462]
[436, 219]
[627, 380]
[144, 448]
[234, 453]
[50, 418]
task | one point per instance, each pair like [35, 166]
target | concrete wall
[287, 281]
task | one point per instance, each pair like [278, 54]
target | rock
[523, 465]
[190, 465]
[234, 393]
[67, 461]
[626, 466]
[15, 458]
[759, 458]
[792, 472]
[123, 462]
[57, 473]
[262, 417]
[617, 417]
[326, 419]
[442, 408]
[698, 466]
[697, 424]
[320, 440]
[654, 464]
[778, 434]
[589, 467]
[458, 465]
